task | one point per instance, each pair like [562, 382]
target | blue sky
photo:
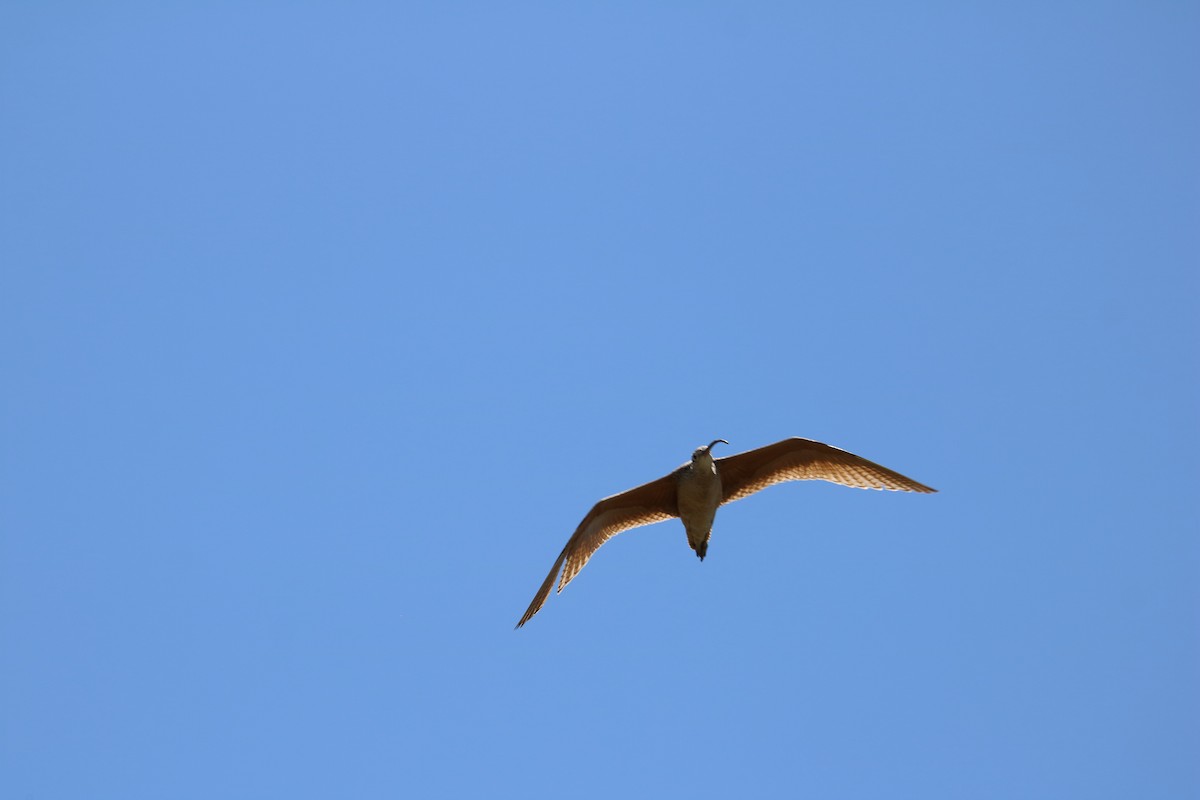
[322, 325]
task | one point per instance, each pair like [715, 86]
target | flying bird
[695, 491]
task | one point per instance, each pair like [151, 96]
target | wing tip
[533, 609]
[918, 489]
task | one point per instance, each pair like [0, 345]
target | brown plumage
[695, 490]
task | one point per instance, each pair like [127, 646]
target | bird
[695, 490]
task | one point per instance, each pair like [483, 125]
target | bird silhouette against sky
[694, 491]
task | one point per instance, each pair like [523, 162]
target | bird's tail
[698, 540]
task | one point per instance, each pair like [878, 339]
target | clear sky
[322, 325]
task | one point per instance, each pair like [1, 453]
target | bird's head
[700, 452]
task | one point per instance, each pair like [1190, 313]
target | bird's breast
[698, 495]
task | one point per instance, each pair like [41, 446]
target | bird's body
[697, 489]
[698, 494]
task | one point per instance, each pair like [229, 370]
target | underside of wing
[805, 460]
[643, 505]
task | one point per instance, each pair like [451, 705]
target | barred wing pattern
[643, 505]
[803, 460]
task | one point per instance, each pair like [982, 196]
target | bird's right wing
[642, 505]
[801, 460]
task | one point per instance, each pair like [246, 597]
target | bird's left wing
[803, 460]
[651, 502]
